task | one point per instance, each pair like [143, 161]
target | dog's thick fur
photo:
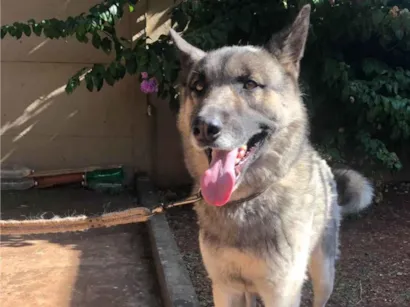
[282, 219]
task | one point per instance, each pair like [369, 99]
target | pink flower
[149, 86]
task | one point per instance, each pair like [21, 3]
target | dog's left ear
[288, 46]
[188, 54]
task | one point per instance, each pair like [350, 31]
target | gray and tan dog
[272, 204]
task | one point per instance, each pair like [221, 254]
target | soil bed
[374, 269]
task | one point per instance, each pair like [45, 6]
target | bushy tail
[355, 192]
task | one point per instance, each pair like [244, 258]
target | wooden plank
[71, 170]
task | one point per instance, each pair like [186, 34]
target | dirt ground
[374, 269]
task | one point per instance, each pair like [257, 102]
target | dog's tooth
[243, 147]
[237, 160]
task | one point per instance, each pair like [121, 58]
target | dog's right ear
[188, 54]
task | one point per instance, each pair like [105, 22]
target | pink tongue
[218, 181]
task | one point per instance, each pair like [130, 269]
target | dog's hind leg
[322, 274]
[224, 297]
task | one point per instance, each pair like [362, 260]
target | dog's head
[241, 112]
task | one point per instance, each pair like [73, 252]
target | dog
[271, 205]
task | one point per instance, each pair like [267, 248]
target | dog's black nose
[206, 129]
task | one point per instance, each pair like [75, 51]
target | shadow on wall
[44, 128]
[170, 169]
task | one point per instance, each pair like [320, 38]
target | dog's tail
[355, 192]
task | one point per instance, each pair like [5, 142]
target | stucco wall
[168, 156]
[44, 128]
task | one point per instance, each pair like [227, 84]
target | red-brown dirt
[374, 268]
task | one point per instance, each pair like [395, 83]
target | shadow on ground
[101, 267]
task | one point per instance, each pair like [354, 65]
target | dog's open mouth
[226, 166]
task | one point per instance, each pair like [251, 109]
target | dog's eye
[198, 86]
[250, 85]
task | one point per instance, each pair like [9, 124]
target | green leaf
[118, 48]
[98, 69]
[48, 31]
[180, 19]
[3, 31]
[37, 29]
[120, 71]
[396, 104]
[98, 80]
[107, 17]
[89, 81]
[218, 35]
[386, 105]
[127, 53]
[131, 8]
[80, 32]
[113, 9]
[78, 35]
[372, 66]
[17, 31]
[397, 165]
[109, 78]
[399, 34]
[26, 30]
[54, 27]
[395, 88]
[153, 62]
[12, 31]
[106, 45]
[113, 70]
[96, 40]
[334, 153]
[244, 20]
[167, 71]
[377, 17]
[131, 65]
[72, 84]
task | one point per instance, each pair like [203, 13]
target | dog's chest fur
[246, 242]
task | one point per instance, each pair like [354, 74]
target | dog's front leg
[224, 297]
[284, 290]
[282, 297]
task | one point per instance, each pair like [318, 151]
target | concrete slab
[176, 286]
[100, 268]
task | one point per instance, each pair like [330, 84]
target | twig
[361, 291]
